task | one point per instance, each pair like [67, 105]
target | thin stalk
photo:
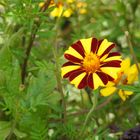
[89, 97]
[89, 113]
[82, 99]
[35, 27]
[132, 50]
[58, 73]
[59, 84]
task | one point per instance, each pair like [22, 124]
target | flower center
[91, 62]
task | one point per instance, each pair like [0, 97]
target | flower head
[82, 7]
[58, 10]
[90, 63]
[127, 75]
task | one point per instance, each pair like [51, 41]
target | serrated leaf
[53, 98]
[41, 89]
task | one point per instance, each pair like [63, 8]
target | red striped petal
[75, 74]
[83, 82]
[113, 63]
[90, 81]
[110, 78]
[68, 64]
[71, 72]
[113, 54]
[79, 48]
[72, 58]
[108, 50]
[99, 43]
[94, 45]
[103, 77]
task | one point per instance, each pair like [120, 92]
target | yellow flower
[81, 6]
[67, 13]
[70, 1]
[60, 11]
[127, 75]
[90, 63]
[57, 11]
[83, 11]
[41, 4]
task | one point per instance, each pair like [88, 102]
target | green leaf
[129, 88]
[136, 97]
[53, 98]
[41, 89]
[5, 128]
[5, 58]
[19, 134]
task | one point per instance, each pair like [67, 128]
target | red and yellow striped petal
[105, 47]
[86, 43]
[79, 79]
[94, 45]
[90, 81]
[111, 56]
[71, 51]
[111, 71]
[113, 63]
[97, 81]
[79, 48]
[68, 68]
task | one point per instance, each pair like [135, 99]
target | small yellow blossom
[70, 1]
[57, 11]
[127, 75]
[81, 4]
[67, 13]
[41, 4]
[83, 11]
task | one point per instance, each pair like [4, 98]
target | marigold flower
[58, 10]
[67, 13]
[90, 63]
[127, 75]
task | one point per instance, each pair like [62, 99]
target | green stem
[89, 113]
[36, 24]
[132, 50]
[82, 99]
[58, 72]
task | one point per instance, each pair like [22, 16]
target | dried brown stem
[35, 27]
